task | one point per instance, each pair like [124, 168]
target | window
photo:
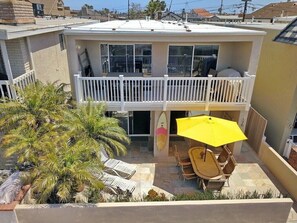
[192, 60]
[38, 9]
[126, 58]
[2, 68]
[205, 58]
[180, 60]
[62, 41]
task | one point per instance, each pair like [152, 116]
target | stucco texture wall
[50, 62]
[275, 94]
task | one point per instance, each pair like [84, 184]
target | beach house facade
[143, 69]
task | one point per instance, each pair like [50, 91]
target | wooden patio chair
[188, 173]
[224, 156]
[229, 168]
[214, 185]
[182, 162]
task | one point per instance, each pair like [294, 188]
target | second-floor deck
[166, 93]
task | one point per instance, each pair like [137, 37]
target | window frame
[193, 53]
[122, 44]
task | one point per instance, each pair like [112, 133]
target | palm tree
[28, 122]
[62, 173]
[155, 6]
[90, 128]
[62, 143]
[38, 103]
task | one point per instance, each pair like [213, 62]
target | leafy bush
[154, 196]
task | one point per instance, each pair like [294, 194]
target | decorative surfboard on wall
[162, 131]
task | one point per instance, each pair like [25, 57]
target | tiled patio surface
[162, 174]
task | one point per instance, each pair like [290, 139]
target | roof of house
[171, 16]
[42, 25]
[202, 12]
[153, 27]
[271, 10]
[288, 34]
[227, 17]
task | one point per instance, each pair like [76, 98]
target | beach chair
[115, 184]
[117, 167]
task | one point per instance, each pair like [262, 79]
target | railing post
[122, 92]
[165, 92]
[209, 80]
[78, 87]
[251, 83]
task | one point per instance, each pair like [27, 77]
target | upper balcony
[126, 93]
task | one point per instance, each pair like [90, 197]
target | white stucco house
[141, 68]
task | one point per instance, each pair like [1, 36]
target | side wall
[275, 90]
[18, 55]
[49, 60]
[284, 173]
[175, 212]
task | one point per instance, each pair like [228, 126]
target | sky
[176, 6]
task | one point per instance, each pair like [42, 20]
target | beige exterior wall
[223, 211]
[18, 55]
[50, 62]
[284, 173]
[275, 90]
[235, 55]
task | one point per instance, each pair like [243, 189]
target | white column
[72, 59]
[31, 55]
[242, 124]
[6, 61]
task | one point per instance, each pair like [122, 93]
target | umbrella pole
[205, 151]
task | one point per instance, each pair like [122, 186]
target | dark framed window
[130, 58]
[62, 41]
[192, 60]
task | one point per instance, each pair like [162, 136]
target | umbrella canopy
[209, 130]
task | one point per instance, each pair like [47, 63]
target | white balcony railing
[8, 90]
[143, 93]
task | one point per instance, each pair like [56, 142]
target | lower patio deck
[162, 174]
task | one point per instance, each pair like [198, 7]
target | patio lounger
[116, 184]
[117, 167]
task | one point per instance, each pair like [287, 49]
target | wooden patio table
[210, 168]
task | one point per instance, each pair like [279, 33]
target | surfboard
[162, 131]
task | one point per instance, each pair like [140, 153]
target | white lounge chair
[10, 188]
[117, 167]
[116, 184]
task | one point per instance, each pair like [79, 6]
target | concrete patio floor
[162, 174]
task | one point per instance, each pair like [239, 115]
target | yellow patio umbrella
[209, 130]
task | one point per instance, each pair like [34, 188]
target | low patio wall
[284, 173]
[258, 210]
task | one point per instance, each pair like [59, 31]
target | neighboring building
[225, 18]
[275, 91]
[171, 16]
[273, 10]
[52, 7]
[203, 13]
[16, 12]
[33, 51]
[165, 67]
